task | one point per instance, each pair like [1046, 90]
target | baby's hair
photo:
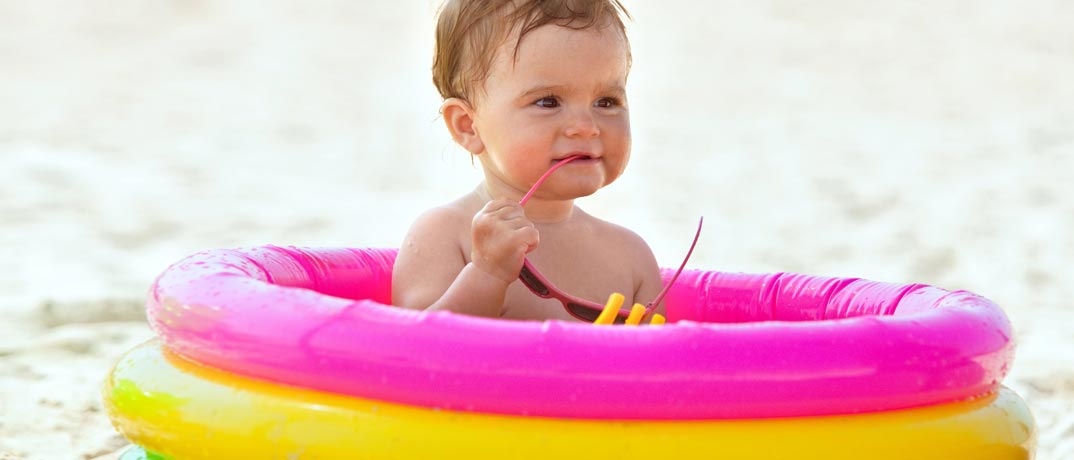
[468, 33]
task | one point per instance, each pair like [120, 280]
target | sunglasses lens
[581, 312]
[532, 282]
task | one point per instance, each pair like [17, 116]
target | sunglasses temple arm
[667, 287]
[544, 176]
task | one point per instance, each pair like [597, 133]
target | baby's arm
[432, 273]
[649, 283]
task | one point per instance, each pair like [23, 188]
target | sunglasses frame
[586, 310]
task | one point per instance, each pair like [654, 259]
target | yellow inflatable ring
[182, 410]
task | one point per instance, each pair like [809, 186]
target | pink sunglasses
[580, 308]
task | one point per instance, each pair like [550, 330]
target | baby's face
[564, 95]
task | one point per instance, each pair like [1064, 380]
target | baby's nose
[582, 124]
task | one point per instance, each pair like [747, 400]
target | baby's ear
[459, 118]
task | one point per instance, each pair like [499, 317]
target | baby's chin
[580, 187]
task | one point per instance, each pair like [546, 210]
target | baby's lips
[579, 155]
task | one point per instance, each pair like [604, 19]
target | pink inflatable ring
[736, 345]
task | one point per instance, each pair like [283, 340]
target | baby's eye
[607, 102]
[548, 102]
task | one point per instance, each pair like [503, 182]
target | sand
[906, 142]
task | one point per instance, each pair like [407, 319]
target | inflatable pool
[276, 352]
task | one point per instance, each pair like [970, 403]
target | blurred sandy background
[898, 141]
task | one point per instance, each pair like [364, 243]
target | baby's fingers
[528, 236]
[502, 207]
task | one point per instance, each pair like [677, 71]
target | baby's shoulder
[620, 237]
[441, 219]
[623, 247]
[448, 214]
[445, 221]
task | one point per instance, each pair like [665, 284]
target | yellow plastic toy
[607, 315]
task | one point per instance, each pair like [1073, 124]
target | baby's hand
[501, 238]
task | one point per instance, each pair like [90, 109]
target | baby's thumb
[531, 243]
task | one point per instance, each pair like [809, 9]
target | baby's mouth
[577, 158]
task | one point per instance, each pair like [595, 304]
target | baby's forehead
[559, 56]
[551, 43]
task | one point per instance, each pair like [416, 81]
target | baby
[526, 84]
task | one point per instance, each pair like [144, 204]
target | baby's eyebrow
[613, 88]
[545, 89]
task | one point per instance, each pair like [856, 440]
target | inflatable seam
[838, 288]
[771, 294]
[259, 265]
[905, 292]
[302, 260]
